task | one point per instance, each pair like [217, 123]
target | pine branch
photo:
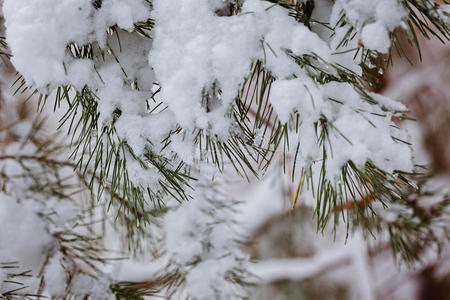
[134, 290]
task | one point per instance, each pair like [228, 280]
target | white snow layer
[376, 18]
[193, 49]
[38, 33]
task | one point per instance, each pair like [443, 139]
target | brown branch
[352, 203]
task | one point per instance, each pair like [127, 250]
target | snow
[299, 268]
[376, 37]
[359, 12]
[261, 203]
[206, 280]
[375, 18]
[292, 95]
[349, 142]
[55, 276]
[96, 288]
[189, 56]
[191, 51]
[200, 240]
[38, 33]
[201, 49]
[120, 13]
[39, 44]
[14, 231]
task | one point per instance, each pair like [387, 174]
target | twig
[352, 203]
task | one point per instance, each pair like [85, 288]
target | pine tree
[159, 103]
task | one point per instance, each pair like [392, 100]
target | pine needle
[297, 191]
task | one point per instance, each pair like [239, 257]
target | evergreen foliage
[100, 163]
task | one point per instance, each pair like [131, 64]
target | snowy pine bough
[161, 101]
